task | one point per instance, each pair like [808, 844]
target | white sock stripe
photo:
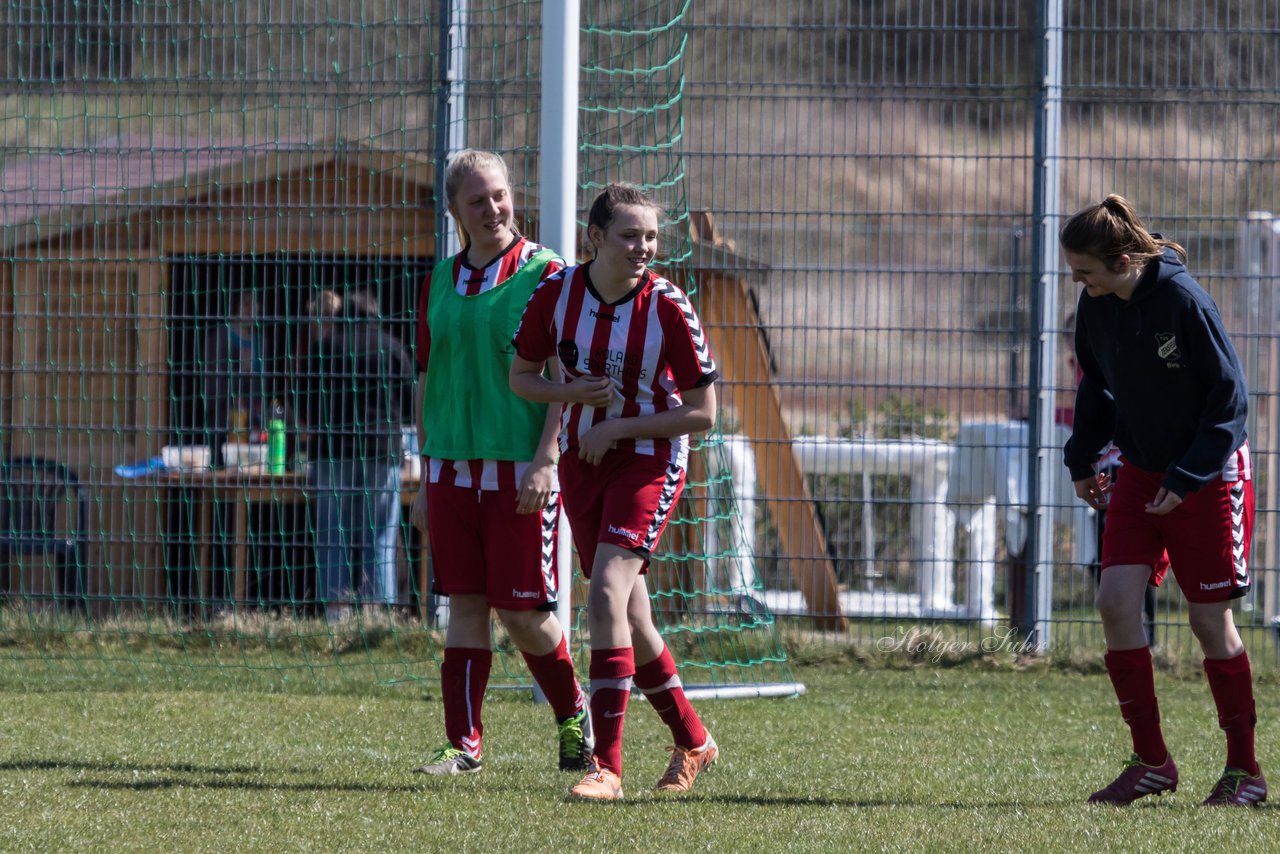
[673, 682]
[623, 684]
[471, 746]
[466, 688]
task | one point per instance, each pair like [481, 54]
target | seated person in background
[357, 385]
[234, 377]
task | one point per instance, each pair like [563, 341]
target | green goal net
[182, 185]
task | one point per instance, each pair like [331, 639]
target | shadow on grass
[197, 780]
[766, 801]
[174, 767]
[870, 803]
[245, 785]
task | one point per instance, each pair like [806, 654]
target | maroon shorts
[624, 501]
[1206, 537]
[481, 545]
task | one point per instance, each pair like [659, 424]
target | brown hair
[612, 197]
[1110, 229]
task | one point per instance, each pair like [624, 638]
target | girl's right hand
[591, 390]
[418, 510]
[1095, 491]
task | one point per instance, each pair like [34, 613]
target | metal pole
[1046, 458]
[1254, 238]
[1259, 271]
[558, 129]
[451, 113]
[1017, 334]
[557, 211]
[450, 127]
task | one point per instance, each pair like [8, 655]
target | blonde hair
[466, 162]
[1111, 228]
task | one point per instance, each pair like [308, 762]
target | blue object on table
[155, 465]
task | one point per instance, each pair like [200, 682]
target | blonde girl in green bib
[489, 501]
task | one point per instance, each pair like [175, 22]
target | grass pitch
[921, 759]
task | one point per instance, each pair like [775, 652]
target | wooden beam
[738, 342]
[242, 230]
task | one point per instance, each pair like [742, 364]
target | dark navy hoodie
[1161, 380]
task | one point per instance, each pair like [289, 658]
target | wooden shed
[111, 258]
[96, 246]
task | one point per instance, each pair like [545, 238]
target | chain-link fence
[854, 192]
[873, 166]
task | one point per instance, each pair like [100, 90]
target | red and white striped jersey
[487, 475]
[484, 475]
[651, 344]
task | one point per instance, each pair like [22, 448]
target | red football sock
[660, 683]
[464, 675]
[1231, 682]
[554, 674]
[1133, 678]
[612, 672]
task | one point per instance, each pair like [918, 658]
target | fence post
[1045, 463]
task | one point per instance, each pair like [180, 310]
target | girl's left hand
[535, 488]
[1164, 502]
[596, 442]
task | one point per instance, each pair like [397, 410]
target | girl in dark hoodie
[1161, 379]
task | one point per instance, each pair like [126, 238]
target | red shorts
[1207, 536]
[624, 501]
[481, 545]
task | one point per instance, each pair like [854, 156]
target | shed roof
[45, 193]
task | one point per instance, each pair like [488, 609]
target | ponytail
[1110, 229]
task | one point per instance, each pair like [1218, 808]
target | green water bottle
[276, 440]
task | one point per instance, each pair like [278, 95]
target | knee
[519, 622]
[1200, 627]
[607, 599]
[1111, 607]
[1209, 628]
[468, 609]
[639, 615]
[468, 622]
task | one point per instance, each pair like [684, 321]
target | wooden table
[244, 487]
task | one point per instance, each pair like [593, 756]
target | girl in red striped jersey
[635, 378]
[489, 497]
